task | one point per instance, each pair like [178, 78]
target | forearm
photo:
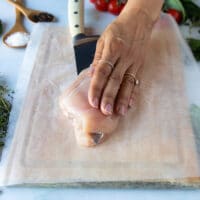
[152, 7]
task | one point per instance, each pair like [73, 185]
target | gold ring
[107, 62]
[135, 80]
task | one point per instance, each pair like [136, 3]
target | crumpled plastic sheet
[156, 143]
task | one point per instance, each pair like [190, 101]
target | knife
[84, 46]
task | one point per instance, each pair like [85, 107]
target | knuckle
[99, 48]
[119, 42]
[117, 78]
[109, 95]
[95, 89]
[97, 56]
[103, 71]
[115, 45]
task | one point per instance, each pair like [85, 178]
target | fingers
[112, 87]
[109, 88]
[98, 81]
[101, 73]
[126, 95]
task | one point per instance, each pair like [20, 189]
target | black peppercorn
[43, 17]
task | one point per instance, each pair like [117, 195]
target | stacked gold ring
[107, 62]
[135, 80]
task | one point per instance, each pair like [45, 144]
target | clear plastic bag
[156, 143]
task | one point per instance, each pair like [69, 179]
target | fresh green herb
[195, 47]
[5, 107]
[192, 12]
[189, 10]
[1, 27]
[175, 4]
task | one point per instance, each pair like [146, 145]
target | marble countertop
[10, 63]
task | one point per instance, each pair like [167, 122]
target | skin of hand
[123, 43]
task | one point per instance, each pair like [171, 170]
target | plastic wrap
[156, 143]
[90, 125]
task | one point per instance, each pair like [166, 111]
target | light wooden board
[153, 143]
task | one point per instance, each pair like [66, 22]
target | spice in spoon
[42, 17]
[18, 39]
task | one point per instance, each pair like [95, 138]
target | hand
[119, 54]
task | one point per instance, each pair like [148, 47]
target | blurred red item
[101, 5]
[115, 7]
[175, 14]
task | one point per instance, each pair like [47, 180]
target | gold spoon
[17, 28]
[33, 15]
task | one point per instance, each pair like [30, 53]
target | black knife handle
[76, 17]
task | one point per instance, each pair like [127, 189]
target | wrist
[138, 17]
[137, 26]
[151, 8]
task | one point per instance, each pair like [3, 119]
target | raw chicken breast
[90, 125]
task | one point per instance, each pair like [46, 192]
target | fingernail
[131, 102]
[95, 102]
[96, 137]
[122, 110]
[108, 109]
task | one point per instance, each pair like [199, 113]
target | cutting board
[153, 144]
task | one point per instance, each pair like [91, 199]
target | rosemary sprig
[5, 107]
